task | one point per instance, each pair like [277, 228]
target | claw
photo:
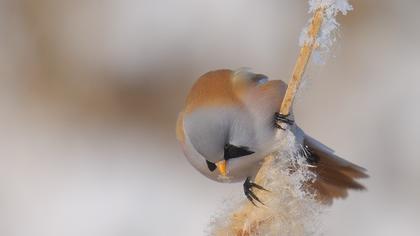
[252, 194]
[278, 117]
[259, 187]
[251, 199]
[278, 126]
[248, 185]
[283, 118]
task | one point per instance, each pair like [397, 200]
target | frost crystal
[326, 36]
[291, 210]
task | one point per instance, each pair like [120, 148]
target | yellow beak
[221, 166]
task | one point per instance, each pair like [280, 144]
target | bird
[230, 123]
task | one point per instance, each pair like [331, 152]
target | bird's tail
[334, 175]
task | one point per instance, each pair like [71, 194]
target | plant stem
[301, 62]
[239, 224]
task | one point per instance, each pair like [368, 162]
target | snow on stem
[288, 209]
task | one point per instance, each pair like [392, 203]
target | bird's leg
[248, 185]
[280, 118]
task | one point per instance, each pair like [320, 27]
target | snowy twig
[287, 208]
[302, 61]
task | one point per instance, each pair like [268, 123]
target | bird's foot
[248, 186]
[280, 118]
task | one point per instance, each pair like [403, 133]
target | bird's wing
[262, 101]
[266, 95]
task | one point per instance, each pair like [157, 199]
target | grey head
[217, 134]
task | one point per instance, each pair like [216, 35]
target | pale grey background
[90, 91]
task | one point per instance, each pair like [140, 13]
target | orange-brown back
[212, 89]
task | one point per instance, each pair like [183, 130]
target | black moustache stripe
[232, 151]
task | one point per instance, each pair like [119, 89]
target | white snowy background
[90, 90]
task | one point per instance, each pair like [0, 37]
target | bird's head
[216, 129]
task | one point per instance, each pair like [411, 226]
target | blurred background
[90, 91]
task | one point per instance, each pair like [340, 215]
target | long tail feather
[334, 175]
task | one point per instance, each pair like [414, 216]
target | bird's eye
[211, 166]
[232, 151]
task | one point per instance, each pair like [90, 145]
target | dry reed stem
[239, 224]
[302, 61]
